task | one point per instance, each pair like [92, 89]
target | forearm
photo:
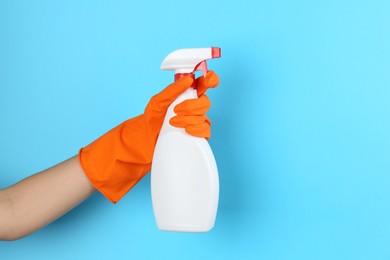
[40, 199]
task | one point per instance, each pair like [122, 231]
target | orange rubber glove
[116, 161]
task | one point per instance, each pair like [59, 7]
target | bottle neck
[182, 75]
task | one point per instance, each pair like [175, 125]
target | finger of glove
[204, 83]
[197, 106]
[202, 130]
[170, 93]
[185, 121]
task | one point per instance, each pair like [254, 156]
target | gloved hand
[191, 113]
[116, 161]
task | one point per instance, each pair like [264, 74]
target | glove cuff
[109, 163]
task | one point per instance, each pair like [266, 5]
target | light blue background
[301, 126]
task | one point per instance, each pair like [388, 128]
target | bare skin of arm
[41, 198]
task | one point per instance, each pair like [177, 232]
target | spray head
[186, 61]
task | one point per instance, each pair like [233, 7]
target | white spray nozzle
[190, 60]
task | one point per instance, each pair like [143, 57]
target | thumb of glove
[161, 101]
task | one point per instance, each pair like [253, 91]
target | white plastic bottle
[184, 177]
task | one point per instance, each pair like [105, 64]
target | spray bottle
[184, 176]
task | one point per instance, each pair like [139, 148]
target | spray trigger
[202, 66]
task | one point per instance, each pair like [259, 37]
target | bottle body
[184, 178]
